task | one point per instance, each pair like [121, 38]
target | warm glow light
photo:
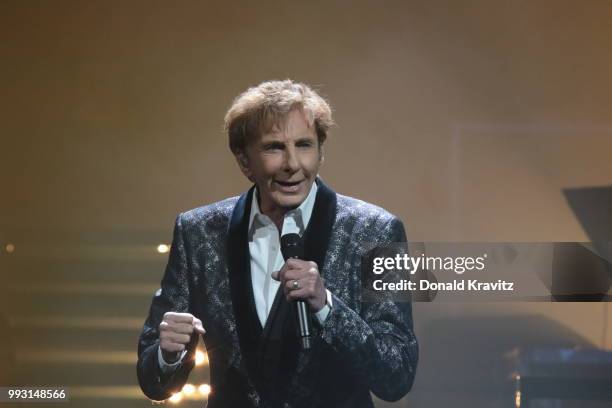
[204, 389]
[176, 398]
[10, 248]
[163, 248]
[517, 399]
[188, 389]
[200, 357]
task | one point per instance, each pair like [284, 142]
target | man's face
[283, 164]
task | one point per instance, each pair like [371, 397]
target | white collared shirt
[266, 257]
[265, 251]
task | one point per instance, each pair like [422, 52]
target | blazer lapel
[318, 232]
[239, 265]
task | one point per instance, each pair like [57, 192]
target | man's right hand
[175, 333]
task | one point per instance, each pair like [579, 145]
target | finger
[292, 275]
[279, 275]
[179, 317]
[289, 285]
[197, 325]
[171, 347]
[294, 263]
[178, 338]
[298, 294]
[183, 328]
[313, 270]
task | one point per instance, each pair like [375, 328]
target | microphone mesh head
[292, 246]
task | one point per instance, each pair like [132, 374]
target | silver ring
[295, 284]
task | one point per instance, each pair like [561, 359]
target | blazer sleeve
[174, 296]
[379, 342]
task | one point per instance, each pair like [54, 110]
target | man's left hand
[309, 286]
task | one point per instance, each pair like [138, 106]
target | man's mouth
[288, 186]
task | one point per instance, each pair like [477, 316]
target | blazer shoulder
[368, 222]
[356, 209]
[213, 216]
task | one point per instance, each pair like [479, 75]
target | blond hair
[261, 108]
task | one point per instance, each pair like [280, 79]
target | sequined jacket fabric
[361, 346]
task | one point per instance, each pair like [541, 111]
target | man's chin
[290, 203]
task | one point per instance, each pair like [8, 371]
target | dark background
[465, 118]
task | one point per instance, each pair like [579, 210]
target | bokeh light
[176, 398]
[200, 357]
[204, 389]
[188, 389]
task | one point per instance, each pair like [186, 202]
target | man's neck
[277, 215]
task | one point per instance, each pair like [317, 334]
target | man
[227, 281]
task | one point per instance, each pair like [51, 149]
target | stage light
[176, 398]
[188, 389]
[10, 248]
[204, 389]
[200, 357]
[163, 248]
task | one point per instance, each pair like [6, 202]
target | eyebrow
[278, 141]
[273, 143]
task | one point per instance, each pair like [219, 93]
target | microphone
[293, 247]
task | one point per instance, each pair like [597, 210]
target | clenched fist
[175, 333]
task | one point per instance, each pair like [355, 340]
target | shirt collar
[301, 214]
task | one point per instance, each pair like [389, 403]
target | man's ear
[243, 163]
[321, 155]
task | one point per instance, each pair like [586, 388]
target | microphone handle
[302, 311]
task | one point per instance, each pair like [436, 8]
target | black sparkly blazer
[361, 346]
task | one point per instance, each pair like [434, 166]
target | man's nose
[292, 163]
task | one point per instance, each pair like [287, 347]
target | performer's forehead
[273, 122]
